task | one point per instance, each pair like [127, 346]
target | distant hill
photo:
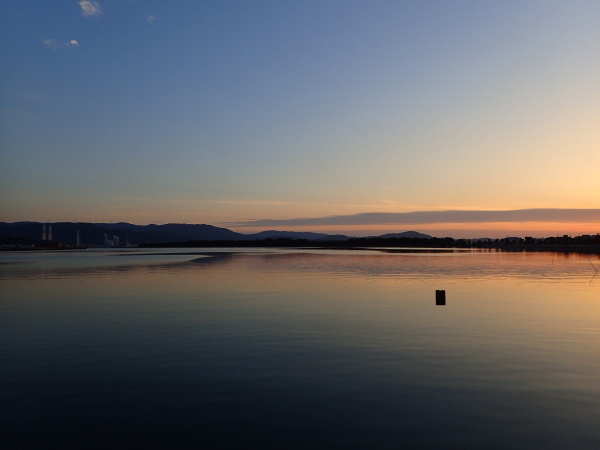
[183, 231]
[94, 234]
[273, 234]
[405, 234]
[178, 231]
[334, 237]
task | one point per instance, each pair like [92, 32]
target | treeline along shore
[549, 244]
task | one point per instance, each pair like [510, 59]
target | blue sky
[227, 112]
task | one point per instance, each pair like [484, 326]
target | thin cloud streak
[432, 217]
[90, 8]
[53, 44]
[245, 202]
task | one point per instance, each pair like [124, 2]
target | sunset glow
[236, 112]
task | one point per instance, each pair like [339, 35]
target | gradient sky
[232, 112]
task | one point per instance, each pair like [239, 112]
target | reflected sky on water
[300, 348]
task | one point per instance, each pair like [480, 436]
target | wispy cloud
[432, 217]
[90, 8]
[151, 19]
[53, 44]
[245, 202]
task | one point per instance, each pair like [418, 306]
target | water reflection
[301, 349]
[405, 264]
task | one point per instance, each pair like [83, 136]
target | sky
[344, 116]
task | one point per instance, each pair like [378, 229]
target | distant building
[114, 242]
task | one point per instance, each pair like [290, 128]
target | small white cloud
[51, 43]
[150, 19]
[90, 8]
[73, 43]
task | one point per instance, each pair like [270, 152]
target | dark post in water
[440, 297]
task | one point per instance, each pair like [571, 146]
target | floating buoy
[440, 297]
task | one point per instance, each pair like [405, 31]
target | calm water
[299, 349]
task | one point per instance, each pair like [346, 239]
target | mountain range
[97, 234]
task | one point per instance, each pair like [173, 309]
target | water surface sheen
[299, 349]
